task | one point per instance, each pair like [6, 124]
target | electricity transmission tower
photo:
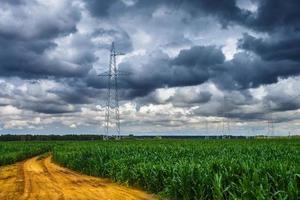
[112, 115]
[270, 126]
[225, 119]
[206, 127]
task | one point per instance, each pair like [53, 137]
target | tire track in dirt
[40, 179]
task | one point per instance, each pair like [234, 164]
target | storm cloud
[26, 38]
[187, 61]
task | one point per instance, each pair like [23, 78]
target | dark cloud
[273, 49]
[100, 8]
[54, 42]
[270, 15]
[279, 49]
[75, 96]
[77, 93]
[35, 97]
[224, 10]
[199, 56]
[24, 46]
[50, 108]
[279, 54]
[190, 67]
[248, 71]
[274, 15]
[20, 61]
[244, 116]
[13, 2]
[197, 65]
[280, 101]
[23, 25]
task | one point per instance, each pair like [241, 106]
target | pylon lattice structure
[112, 114]
[225, 129]
[270, 126]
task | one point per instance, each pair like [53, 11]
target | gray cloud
[284, 48]
[272, 15]
[122, 37]
[175, 46]
[26, 39]
[249, 71]
[190, 67]
[100, 8]
[197, 65]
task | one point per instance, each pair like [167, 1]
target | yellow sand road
[40, 179]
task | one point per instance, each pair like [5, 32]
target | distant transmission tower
[270, 126]
[225, 119]
[112, 115]
[270, 121]
[206, 127]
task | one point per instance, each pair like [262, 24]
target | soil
[40, 179]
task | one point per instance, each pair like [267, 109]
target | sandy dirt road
[40, 179]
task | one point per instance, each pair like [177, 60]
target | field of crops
[193, 169]
[181, 169]
[11, 152]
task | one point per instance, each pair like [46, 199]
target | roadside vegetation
[11, 152]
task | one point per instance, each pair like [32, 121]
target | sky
[195, 66]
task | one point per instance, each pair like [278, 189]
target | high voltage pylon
[271, 122]
[112, 114]
[225, 119]
[206, 127]
[270, 126]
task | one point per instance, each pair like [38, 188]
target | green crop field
[182, 169]
[193, 169]
[11, 152]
